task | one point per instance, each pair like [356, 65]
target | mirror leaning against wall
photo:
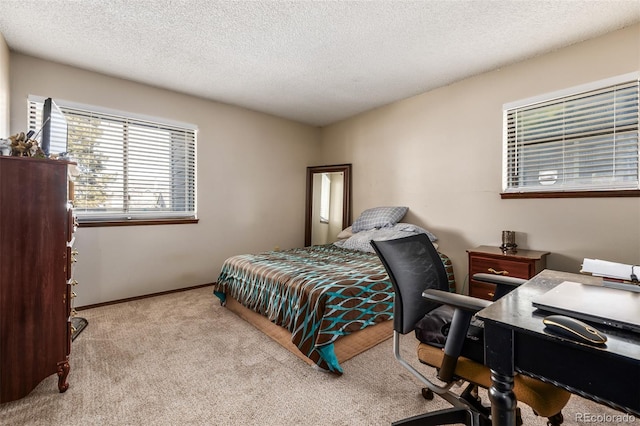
[328, 203]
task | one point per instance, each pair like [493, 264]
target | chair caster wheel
[427, 394]
[555, 420]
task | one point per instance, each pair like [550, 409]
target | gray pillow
[378, 217]
[361, 241]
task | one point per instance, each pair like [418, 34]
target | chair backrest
[413, 265]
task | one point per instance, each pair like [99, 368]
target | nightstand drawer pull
[493, 271]
[491, 294]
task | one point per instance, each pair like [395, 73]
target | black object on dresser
[36, 238]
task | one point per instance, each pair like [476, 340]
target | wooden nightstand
[492, 260]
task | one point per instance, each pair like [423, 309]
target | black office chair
[414, 267]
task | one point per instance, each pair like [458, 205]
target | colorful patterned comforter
[318, 293]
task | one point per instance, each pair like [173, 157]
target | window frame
[126, 119]
[592, 192]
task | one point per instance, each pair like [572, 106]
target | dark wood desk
[515, 341]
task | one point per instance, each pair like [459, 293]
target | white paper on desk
[603, 268]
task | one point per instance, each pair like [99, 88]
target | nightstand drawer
[504, 267]
[482, 290]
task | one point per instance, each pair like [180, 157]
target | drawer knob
[493, 271]
[491, 294]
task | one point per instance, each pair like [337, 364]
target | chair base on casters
[451, 416]
[454, 416]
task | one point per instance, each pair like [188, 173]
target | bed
[325, 302]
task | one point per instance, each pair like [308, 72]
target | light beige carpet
[182, 359]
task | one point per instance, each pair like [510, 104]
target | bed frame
[345, 348]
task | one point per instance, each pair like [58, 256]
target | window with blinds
[325, 198]
[130, 169]
[581, 139]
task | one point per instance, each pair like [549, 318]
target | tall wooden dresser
[36, 238]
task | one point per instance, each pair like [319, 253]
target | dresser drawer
[509, 268]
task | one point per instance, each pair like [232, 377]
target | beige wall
[251, 171]
[440, 154]
[4, 88]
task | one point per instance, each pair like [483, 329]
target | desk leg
[498, 349]
[503, 400]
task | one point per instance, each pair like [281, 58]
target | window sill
[571, 194]
[94, 224]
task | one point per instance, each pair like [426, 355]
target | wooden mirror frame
[346, 201]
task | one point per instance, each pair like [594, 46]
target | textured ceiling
[316, 62]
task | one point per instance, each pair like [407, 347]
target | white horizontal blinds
[35, 114]
[586, 141]
[130, 168]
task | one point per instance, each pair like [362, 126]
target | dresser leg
[63, 372]
[503, 400]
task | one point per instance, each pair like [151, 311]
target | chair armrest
[465, 308]
[499, 279]
[503, 284]
[459, 301]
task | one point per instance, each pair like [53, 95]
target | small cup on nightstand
[509, 241]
